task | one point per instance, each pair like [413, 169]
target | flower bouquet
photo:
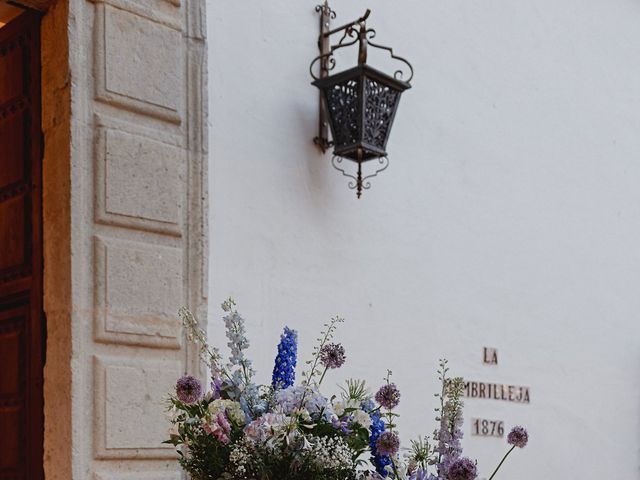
[238, 430]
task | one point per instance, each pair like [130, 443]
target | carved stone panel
[128, 391]
[167, 12]
[138, 289]
[139, 182]
[139, 64]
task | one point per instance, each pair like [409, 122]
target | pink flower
[262, 428]
[219, 427]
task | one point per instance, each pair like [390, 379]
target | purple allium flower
[332, 355]
[188, 389]
[518, 437]
[388, 396]
[388, 444]
[463, 469]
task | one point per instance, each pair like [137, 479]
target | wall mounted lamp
[359, 104]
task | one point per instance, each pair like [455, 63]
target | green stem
[322, 377]
[442, 394]
[500, 464]
[395, 469]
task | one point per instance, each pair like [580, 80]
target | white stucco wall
[509, 217]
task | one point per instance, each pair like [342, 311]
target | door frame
[56, 228]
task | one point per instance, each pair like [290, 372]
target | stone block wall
[129, 218]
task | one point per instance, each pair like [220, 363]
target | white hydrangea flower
[362, 418]
[231, 408]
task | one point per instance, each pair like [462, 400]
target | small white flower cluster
[330, 453]
[239, 459]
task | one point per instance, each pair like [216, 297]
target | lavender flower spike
[518, 437]
[188, 389]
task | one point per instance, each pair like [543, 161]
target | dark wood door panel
[13, 55]
[12, 357]
[12, 458]
[14, 388]
[14, 237]
[13, 375]
[13, 149]
[21, 317]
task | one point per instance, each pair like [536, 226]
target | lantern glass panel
[344, 112]
[379, 108]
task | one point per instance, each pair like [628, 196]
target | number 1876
[487, 428]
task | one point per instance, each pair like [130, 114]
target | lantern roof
[366, 70]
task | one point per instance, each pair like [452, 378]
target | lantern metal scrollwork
[359, 104]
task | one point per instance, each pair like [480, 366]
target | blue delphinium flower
[284, 370]
[376, 429]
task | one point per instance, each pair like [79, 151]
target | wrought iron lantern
[358, 104]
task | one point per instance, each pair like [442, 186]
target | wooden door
[22, 327]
